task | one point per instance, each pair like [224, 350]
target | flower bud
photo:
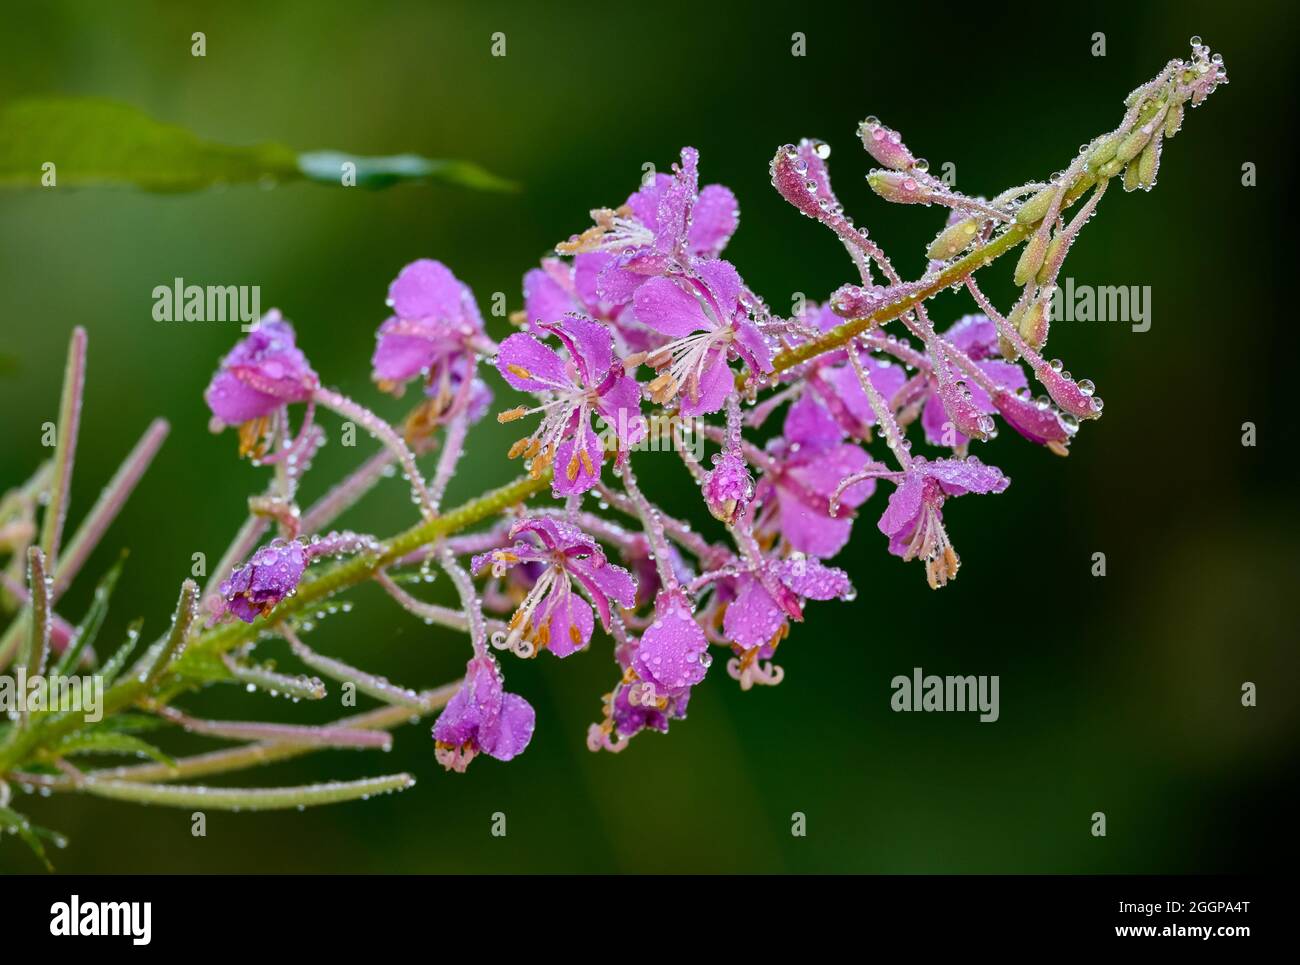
[1174, 120]
[795, 182]
[1031, 259]
[1148, 163]
[1033, 323]
[885, 145]
[1132, 145]
[1036, 208]
[954, 239]
[1049, 260]
[728, 488]
[899, 187]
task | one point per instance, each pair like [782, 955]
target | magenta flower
[482, 717]
[703, 315]
[1036, 420]
[810, 459]
[768, 598]
[663, 227]
[558, 289]
[553, 616]
[673, 655]
[434, 332]
[255, 587]
[260, 376]
[591, 381]
[913, 520]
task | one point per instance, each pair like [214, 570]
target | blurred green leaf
[30, 834]
[93, 142]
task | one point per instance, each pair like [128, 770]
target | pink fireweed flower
[673, 655]
[558, 289]
[808, 461]
[766, 599]
[553, 616]
[482, 717]
[435, 331]
[590, 381]
[257, 380]
[913, 520]
[703, 315]
[663, 227]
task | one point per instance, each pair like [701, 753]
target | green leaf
[93, 142]
[88, 629]
[131, 723]
[108, 742]
[30, 834]
[111, 667]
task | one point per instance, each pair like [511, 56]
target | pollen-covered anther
[510, 415]
[519, 370]
[663, 388]
[253, 437]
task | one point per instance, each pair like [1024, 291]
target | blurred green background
[1118, 694]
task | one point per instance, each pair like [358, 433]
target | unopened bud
[728, 487]
[1174, 120]
[885, 145]
[1103, 151]
[1033, 323]
[1031, 259]
[954, 239]
[795, 185]
[1148, 163]
[1132, 145]
[1131, 182]
[1050, 259]
[899, 187]
[1036, 208]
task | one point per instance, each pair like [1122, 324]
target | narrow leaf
[65, 444]
[92, 141]
[107, 742]
[88, 629]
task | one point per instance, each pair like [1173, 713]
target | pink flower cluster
[642, 313]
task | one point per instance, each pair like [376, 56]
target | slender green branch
[247, 798]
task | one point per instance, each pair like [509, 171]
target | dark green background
[1118, 694]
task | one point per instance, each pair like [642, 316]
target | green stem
[841, 335]
[247, 798]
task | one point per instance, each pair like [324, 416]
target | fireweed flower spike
[553, 615]
[589, 382]
[851, 377]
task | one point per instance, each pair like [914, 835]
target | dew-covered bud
[1036, 208]
[900, 187]
[885, 145]
[795, 185]
[954, 239]
[1031, 259]
[1033, 323]
[728, 487]
[253, 588]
